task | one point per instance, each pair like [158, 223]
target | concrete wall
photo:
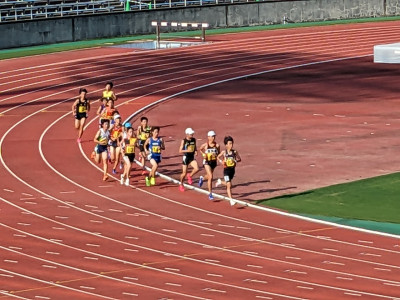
[48, 31]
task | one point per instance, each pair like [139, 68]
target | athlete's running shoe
[114, 171]
[122, 179]
[181, 188]
[218, 183]
[232, 202]
[210, 197]
[105, 177]
[201, 180]
[190, 180]
[152, 181]
[147, 181]
[127, 182]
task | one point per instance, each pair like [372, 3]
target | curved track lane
[65, 233]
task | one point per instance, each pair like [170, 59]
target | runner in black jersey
[229, 158]
[80, 109]
[189, 149]
[209, 151]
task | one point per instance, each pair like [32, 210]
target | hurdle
[192, 25]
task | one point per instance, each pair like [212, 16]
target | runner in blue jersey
[153, 146]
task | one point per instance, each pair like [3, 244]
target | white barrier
[193, 25]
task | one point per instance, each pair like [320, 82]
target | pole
[203, 34]
[127, 5]
[158, 32]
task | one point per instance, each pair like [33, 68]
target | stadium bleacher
[16, 10]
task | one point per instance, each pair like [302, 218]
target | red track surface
[66, 234]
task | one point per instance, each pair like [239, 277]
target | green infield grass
[375, 199]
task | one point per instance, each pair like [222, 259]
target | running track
[65, 234]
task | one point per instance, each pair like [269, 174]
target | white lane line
[365, 242]
[86, 287]
[352, 294]
[330, 249]
[214, 275]
[131, 237]
[62, 217]
[214, 290]
[143, 266]
[263, 297]
[131, 250]
[383, 269]
[50, 267]
[293, 257]
[199, 222]
[58, 228]
[251, 252]
[255, 281]
[173, 284]
[169, 230]
[370, 254]
[42, 297]
[172, 269]
[255, 266]
[392, 284]
[10, 261]
[7, 190]
[91, 258]
[12, 295]
[170, 242]
[7, 275]
[131, 278]
[214, 247]
[15, 248]
[93, 245]
[19, 235]
[90, 273]
[67, 192]
[115, 210]
[344, 278]
[26, 194]
[207, 234]
[333, 263]
[130, 294]
[51, 283]
[27, 198]
[52, 253]
[305, 287]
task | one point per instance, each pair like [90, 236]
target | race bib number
[211, 156]
[115, 134]
[130, 149]
[144, 135]
[82, 109]
[230, 162]
[190, 148]
[156, 149]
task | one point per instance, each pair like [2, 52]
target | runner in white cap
[189, 150]
[209, 151]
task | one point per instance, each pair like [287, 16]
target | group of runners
[116, 143]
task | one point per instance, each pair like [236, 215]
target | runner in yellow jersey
[209, 151]
[80, 110]
[229, 158]
[128, 149]
[108, 93]
[143, 133]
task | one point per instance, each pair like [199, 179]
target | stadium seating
[16, 10]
